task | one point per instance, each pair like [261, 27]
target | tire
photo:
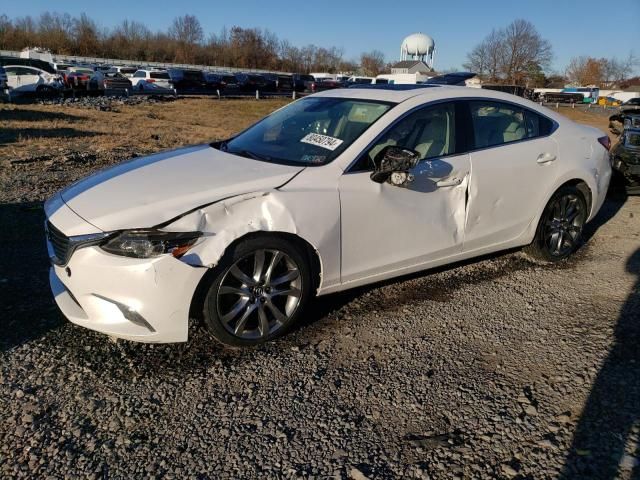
[559, 232]
[245, 306]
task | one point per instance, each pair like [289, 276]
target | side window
[11, 71]
[497, 123]
[430, 131]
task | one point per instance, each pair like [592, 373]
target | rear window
[307, 78]
[128, 70]
[229, 79]
[159, 75]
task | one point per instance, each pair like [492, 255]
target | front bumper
[144, 300]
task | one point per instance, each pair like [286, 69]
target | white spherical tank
[418, 44]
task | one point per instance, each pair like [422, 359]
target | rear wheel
[258, 291]
[559, 232]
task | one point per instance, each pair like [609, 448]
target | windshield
[311, 131]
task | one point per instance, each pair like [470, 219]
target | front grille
[60, 243]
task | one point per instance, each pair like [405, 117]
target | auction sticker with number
[323, 141]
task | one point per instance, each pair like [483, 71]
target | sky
[587, 27]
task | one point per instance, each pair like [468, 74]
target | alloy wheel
[259, 294]
[564, 224]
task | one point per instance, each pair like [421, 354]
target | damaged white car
[339, 189]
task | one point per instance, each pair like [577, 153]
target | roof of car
[398, 95]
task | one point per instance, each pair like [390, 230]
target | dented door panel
[387, 228]
[508, 183]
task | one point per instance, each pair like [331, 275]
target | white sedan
[336, 190]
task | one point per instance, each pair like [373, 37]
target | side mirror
[393, 163]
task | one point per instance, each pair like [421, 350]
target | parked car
[354, 81]
[284, 83]
[187, 79]
[126, 71]
[231, 85]
[250, 82]
[31, 79]
[325, 84]
[271, 82]
[632, 102]
[77, 78]
[109, 81]
[102, 68]
[609, 101]
[302, 83]
[625, 157]
[3, 79]
[28, 62]
[151, 79]
[339, 189]
[214, 81]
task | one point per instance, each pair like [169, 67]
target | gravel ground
[497, 368]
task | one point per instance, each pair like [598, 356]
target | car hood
[148, 191]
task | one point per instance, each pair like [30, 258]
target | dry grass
[34, 130]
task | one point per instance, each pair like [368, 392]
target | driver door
[388, 229]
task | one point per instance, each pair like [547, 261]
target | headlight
[151, 243]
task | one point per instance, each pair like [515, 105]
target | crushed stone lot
[496, 368]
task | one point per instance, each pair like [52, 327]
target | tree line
[518, 55]
[183, 42]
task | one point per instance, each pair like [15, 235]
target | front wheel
[258, 291]
[559, 233]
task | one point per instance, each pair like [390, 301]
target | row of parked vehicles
[26, 75]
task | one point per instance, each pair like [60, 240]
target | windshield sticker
[323, 141]
[314, 158]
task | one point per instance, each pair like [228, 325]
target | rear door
[513, 162]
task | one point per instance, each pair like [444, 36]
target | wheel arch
[312, 254]
[574, 181]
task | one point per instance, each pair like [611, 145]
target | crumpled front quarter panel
[313, 216]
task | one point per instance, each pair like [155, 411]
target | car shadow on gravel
[607, 435]
[26, 305]
[614, 202]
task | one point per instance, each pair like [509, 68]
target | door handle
[449, 182]
[545, 158]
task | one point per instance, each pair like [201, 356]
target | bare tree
[187, 33]
[486, 59]
[515, 54]
[86, 36]
[523, 46]
[372, 63]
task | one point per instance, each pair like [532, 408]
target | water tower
[418, 46]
